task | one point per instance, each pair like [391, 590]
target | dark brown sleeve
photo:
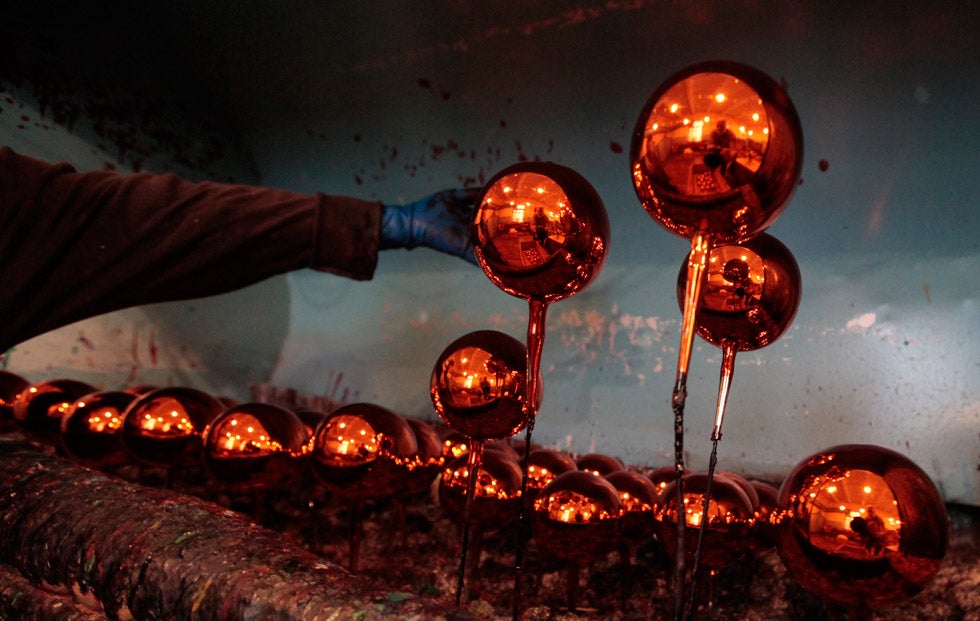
[74, 245]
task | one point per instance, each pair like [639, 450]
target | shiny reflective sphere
[599, 464]
[39, 407]
[90, 429]
[428, 460]
[640, 499]
[577, 516]
[256, 445]
[766, 515]
[750, 294]
[717, 151]
[164, 427]
[478, 385]
[497, 495]
[730, 518]
[543, 465]
[540, 231]
[363, 451]
[861, 526]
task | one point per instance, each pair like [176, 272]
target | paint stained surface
[391, 103]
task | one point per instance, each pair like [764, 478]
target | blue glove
[440, 221]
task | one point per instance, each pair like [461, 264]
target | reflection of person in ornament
[74, 245]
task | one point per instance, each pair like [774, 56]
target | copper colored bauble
[90, 429]
[861, 526]
[39, 407]
[256, 446]
[640, 502]
[599, 464]
[577, 516]
[717, 151]
[750, 294]
[540, 231]
[362, 451]
[662, 477]
[164, 427]
[478, 385]
[729, 519]
[496, 496]
[543, 465]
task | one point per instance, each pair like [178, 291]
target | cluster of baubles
[858, 525]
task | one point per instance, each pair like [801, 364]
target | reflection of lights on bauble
[362, 450]
[861, 526]
[256, 445]
[478, 385]
[662, 477]
[540, 231]
[39, 407]
[163, 427]
[543, 465]
[577, 516]
[497, 491]
[90, 429]
[640, 502]
[750, 294]
[717, 151]
[599, 464]
[728, 521]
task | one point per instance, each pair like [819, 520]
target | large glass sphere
[497, 491]
[164, 427]
[363, 451]
[90, 429]
[543, 465]
[577, 516]
[728, 521]
[717, 151]
[540, 231]
[478, 385]
[39, 407]
[861, 526]
[750, 294]
[640, 499]
[256, 445]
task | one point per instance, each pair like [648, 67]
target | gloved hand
[440, 221]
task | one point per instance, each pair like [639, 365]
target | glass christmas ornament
[599, 464]
[428, 460]
[362, 451]
[478, 384]
[542, 466]
[861, 526]
[164, 427]
[90, 429]
[727, 522]
[577, 518]
[639, 497]
[256, 446]
[487, 501]
[717, 151]
[39, 408]
[541, 231]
